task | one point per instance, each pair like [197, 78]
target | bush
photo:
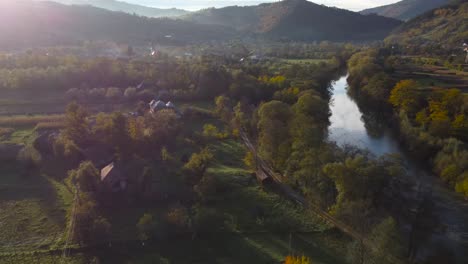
[146, 227]
[113, 93]
[130, 92]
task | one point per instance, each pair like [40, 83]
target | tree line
[433, 122]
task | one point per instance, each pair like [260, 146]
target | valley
[286, 132]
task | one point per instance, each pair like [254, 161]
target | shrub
[146, 226]
[113, 93]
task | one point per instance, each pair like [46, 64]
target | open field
[304, 61]
[434, 76]
[33, 210]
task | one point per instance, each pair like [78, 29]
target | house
[170, 105]
[112, 178]
[156, 105]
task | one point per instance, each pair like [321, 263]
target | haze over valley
[291, 131]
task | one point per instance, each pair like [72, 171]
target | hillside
[26, 23]
[447, 26]
[298, 20]
[406, 9]
[114, 5]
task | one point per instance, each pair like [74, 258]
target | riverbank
[351, 126]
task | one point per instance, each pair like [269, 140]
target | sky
[355, 5]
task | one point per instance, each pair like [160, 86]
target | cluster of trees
[369, 77]
[146, 150]
[185, 80]
[441, 31]
[433, 121]
[290, 131]
[299, 50]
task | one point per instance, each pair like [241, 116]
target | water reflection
[348, 127]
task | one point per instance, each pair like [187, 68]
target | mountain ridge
[446, 26]
[121, 6]
[405, 9]
[297, 20]
[51, 23]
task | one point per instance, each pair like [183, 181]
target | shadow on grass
[32, 206]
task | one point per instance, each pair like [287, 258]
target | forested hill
[114, 5]
[406, 9]
[443, 27]
[28, 23]
[298, 20]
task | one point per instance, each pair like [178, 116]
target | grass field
[33, 210]
[284, 228]
[304, 61]
[33, 216]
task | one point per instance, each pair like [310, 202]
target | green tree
[273, 128]
[86, 177]
[76, 125]
[223, 108]
[146, 227]
[199, 162]
[89, 226]
[388, 246]
[210, 131]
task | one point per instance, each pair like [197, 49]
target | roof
[106, 171]
[170, 105]
[157, 104]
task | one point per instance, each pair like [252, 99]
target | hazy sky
[354, 5]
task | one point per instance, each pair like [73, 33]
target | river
[349, 127]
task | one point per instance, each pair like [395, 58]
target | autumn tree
[297, 260]
[405, 96]
[199, 162]
[223, 108]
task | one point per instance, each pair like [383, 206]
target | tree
[101, 229]
[273, 126]
[249, 160]
[199, 162]
[207, 220]
[405, 96]
[210, 131]
[378, 87]
[179, 218]
[146, 227]
[76, 125]
[86, 177]
[297, 260]
[162, 127]
[387, 242]
[462, 184]
[223, 108]
[440, 121]
[89, 226]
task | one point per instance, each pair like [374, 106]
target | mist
[200, 4]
